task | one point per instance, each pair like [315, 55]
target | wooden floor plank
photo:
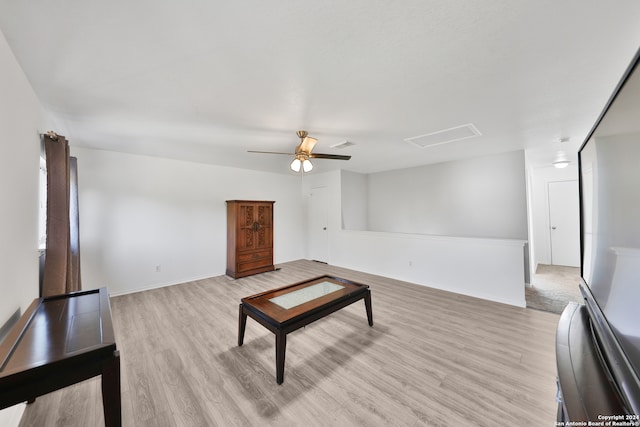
[432, 358]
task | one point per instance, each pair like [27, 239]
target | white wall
[479, 197]
[355, 201]
[22, 119]
[491, 269]
[139, 212]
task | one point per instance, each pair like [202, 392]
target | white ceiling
[206, 81]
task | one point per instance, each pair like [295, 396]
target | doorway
[318, 225]
[564, 223]
[555, 252]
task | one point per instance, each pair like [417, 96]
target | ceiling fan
[303, 153]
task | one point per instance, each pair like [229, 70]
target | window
[42, 203]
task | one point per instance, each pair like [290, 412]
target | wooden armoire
[249, 237]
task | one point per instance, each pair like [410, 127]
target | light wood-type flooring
[432, 358]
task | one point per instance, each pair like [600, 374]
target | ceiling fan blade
[270, 152]
[329, 156]
[307, 145]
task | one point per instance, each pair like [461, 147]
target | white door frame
[318, 229]
[572, 260]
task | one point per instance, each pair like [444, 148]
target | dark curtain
[62, 255]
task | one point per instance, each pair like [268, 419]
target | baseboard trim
[158, 285]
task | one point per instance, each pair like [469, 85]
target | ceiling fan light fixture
[295, 165]
[307, 166]
[303, 153]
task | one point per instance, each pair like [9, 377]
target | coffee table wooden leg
[111, 401]
[242, 323]
[367, 305]
[281, 347]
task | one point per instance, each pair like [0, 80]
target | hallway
[553, 287]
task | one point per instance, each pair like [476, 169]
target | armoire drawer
[253, 256]
[246, 266]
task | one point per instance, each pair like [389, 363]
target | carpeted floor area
[553, 287]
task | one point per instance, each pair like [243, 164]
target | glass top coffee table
[289, 308]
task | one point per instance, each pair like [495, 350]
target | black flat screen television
[609, 164]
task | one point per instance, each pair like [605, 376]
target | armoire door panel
[247, 214]
[246, 239]
[265, 213]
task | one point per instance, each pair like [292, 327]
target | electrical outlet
[410, 263]
[158, 268]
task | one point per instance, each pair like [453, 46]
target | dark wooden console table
[60, 341]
